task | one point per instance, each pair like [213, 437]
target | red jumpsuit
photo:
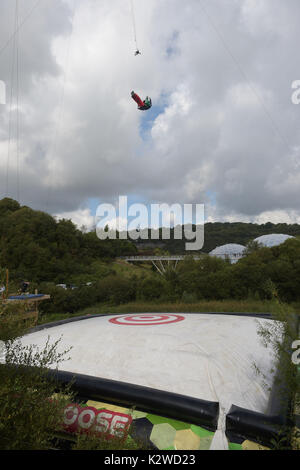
[138, 100]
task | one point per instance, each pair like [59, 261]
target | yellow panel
[186, 440]
[249, 445]
[99, 405]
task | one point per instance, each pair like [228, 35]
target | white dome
[274, 239]
[232, 251]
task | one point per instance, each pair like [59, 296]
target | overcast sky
[223, 130]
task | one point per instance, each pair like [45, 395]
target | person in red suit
[142, 105]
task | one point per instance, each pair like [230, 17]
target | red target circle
[146, 320]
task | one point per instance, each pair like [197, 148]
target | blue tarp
[26, 297]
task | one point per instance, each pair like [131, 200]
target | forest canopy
[37, 247]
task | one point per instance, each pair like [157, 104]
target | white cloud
[80, 217]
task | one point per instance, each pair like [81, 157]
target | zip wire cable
[53, 147]
[12, 37]
[134, 25]
[17, 99]
[11, 98]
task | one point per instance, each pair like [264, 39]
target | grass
[234, 306]
[230, 306]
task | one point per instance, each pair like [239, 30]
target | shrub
[151, 288]
[29, 414]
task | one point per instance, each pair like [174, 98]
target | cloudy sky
[223, 129]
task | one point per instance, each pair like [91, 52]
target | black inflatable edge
[242, 424]
[45, 326]
[170, 405]
[265, 316]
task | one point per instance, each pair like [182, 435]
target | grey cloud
[228, 127]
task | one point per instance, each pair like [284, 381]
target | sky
[223, 130]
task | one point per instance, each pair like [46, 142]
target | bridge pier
[158, 261]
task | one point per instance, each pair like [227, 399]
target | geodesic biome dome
[231, 251]
[274, 239]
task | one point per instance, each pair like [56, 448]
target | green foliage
[116, 289]
[11, 323]
[112, 289]
[7, 206]
[30, 410]
[218, 234]
[29, 414]
[213, 278]
[279, 336]
[92, 441]
[151, 288]
[189, 298]
[210, 278]
[68, 301]
[34, 245]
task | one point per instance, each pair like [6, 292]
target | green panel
[163, 435]
[205, 443]
[233, 446]
[201, 432]
[138, 414]
[178, 425]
